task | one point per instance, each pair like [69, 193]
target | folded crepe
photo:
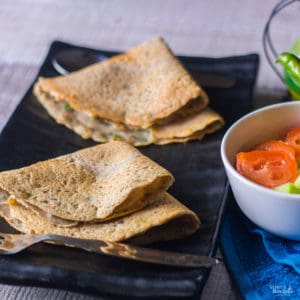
[90, 185]
[163, 219]
[133, 96]
[110, 192]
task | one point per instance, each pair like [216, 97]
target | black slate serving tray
[31, 135]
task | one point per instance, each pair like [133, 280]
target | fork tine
[8, 236]
[5, 235]
[14, 243]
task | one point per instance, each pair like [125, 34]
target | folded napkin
[281, 251]
[263, 265]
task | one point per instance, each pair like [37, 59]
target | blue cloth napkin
[263, 265]
[281, 251]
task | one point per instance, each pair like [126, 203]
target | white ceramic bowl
[276, 212]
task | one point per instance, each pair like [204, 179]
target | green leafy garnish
[68, 108]
[116, 137]
[103, 135]
[143, 220]
[27, 194]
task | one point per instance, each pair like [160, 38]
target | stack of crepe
[142, 96]
[110, 192]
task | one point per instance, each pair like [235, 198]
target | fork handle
[135, 253]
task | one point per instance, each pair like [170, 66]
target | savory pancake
[164, 219]
[193, 127]
[136, 88]
[190, 123]
[128, 97]
[93, 184]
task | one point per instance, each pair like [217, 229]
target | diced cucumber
[289, 188]
[297, 182]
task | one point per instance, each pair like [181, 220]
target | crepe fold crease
[110, 191]
[164, 219]
[132, 96]
[95, 183]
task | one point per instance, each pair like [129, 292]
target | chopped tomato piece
[268, 168]
[293, 139]
[277, 145]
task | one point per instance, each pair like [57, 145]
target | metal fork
[14, 243]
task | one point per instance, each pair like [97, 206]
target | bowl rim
[235, 173]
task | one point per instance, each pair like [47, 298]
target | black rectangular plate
[31, 135]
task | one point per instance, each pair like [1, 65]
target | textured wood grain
[15, 79]
[202, 28]
[207, 27]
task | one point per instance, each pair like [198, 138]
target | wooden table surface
[202, 28]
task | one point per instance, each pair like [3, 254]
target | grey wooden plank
[15, 79]
[31, 293]
[191, 27]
